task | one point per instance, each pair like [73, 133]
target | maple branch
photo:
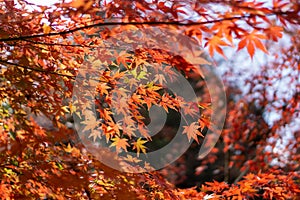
[72, 45]
[57, 44]
[40, 70]
[36, 69]
[154, 23]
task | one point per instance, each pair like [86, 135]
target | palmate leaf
[139, 146]
[253, 41]
[214, 44]
[42, 48]
[120, 143]
[192, 131]
[46, 28]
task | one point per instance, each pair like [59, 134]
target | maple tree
[50, 53]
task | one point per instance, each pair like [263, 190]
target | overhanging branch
[175, 23]
[36, 69]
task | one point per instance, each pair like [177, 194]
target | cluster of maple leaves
[42, 49]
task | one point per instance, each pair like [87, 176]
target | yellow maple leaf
[139, 146]
[69, 148]
[46, 28]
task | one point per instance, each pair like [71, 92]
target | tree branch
[36, 69]
[154, 23]
[69, 45]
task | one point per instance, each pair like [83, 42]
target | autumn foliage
[47, 52]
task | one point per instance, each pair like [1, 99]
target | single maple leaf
[69, 148]
[190, 109]
[119, 143]
[46, 28]
[103, 88]
[192, 131]
[274, 33]
[139, 146]
[214, 44]
[122, 58]
[252, 41]
[160, 78]
[90, 121]
[95, 134]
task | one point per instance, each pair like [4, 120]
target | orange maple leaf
[192, 131]
[274, 33]
[252, 41]
[119, 143]
[214, 44]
